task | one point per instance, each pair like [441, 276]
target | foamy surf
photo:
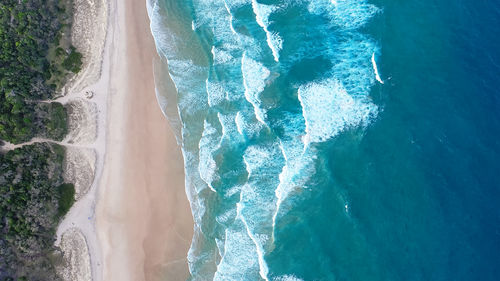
[328, 110]
[254, 81]
[251, 130]
[262, 13]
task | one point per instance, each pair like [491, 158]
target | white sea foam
[185, 73]
[187, 77]
[262, 13]
[298, 168]
[229, 130]
[263, 268]
[262, 164]
[221, 247]
[296, 172]
[232, 191]
[239, 122]
[351, 64]
[197, 255]
[209, 143]
[246, 125]
[216, 15]
[230, 17]
[288, 277]
[375, 70]
[227, 216]
[254, 206]
[215, 93]
[239, 259]
[259, 157]
[233, 4]
[328, 109]
[166, 40]
[221, 56]
[223, 120]
[254, 81]
[348, 14]
[191, 167]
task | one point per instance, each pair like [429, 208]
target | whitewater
[261, 88]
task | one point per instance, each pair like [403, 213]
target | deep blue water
[302, 164]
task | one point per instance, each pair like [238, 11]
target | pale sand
[76, 265]
[86, 141]
[88, 33]
[143, 218]
[82, 121]
[120, 144]
[79, 169]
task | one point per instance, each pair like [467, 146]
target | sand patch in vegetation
[88, 35]
[76, 258]
[82, 121]
[79, 169]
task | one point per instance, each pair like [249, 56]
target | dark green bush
[33, 197]
[66, 198]
[28, 30]
[32, 200]
[73, 61]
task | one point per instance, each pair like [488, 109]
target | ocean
[336, 139]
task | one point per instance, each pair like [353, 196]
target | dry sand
[144, 222]
[76, 265]
[86, 141]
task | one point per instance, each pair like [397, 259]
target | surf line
[375, 69]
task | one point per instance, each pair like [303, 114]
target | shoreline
[134, 221]
[137, 162]
[143, 166]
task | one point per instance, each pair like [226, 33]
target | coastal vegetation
[32, 200]
[36, 60]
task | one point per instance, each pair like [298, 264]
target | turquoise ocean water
[336, 139]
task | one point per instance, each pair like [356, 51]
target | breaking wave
[251, 125]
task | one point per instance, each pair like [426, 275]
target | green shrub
[73, 61]
[66, 198]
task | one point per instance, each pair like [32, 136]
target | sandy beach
[143, 218]
[133, 222]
